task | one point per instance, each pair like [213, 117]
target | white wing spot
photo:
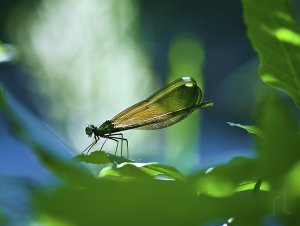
[187, 79]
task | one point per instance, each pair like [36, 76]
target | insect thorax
[105, 128]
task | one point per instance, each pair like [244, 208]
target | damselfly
[164, 108]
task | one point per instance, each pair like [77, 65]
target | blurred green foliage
[275, 36]
[243, 190]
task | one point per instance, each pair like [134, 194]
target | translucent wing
[164, 108]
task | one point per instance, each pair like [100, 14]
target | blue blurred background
[75, 63]
[82, 63]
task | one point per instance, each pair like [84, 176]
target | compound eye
[89, 130]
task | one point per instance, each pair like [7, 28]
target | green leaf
[223, 180]
[250, 129]
[278, 150]
[250, 186]
[146, 202]
[276, 37]
[136, 170]
[96, 157]
[169, 171]
[101, 157]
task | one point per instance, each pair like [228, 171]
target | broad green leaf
[293, 181]
[223, 180]
[147, 202]
[126, 171]
[276, 37]
[250, 129]
[215, 186]
[135, 169]
[279, 149]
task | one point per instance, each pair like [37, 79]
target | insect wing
[163, 108]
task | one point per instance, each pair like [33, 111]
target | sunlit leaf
[166, 170]
[223, 180]
[249, 186]
[293, 181]
[52, 221]
[215, 186]
[134, 169]
[250, 129]
[276, 37]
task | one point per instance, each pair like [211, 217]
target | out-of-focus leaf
[224, 180]
[63, 167]
[276, 37]
[147, 202]
[51, 221]
[215, 186]
[249, 186]
[135, 170]
[66, 170]
[293, 181]
[250, 129]
[279, 149]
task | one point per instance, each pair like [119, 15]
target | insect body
[164, 108]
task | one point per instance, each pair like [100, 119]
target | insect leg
[103, 143]
[116, 136]
[116, 140]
